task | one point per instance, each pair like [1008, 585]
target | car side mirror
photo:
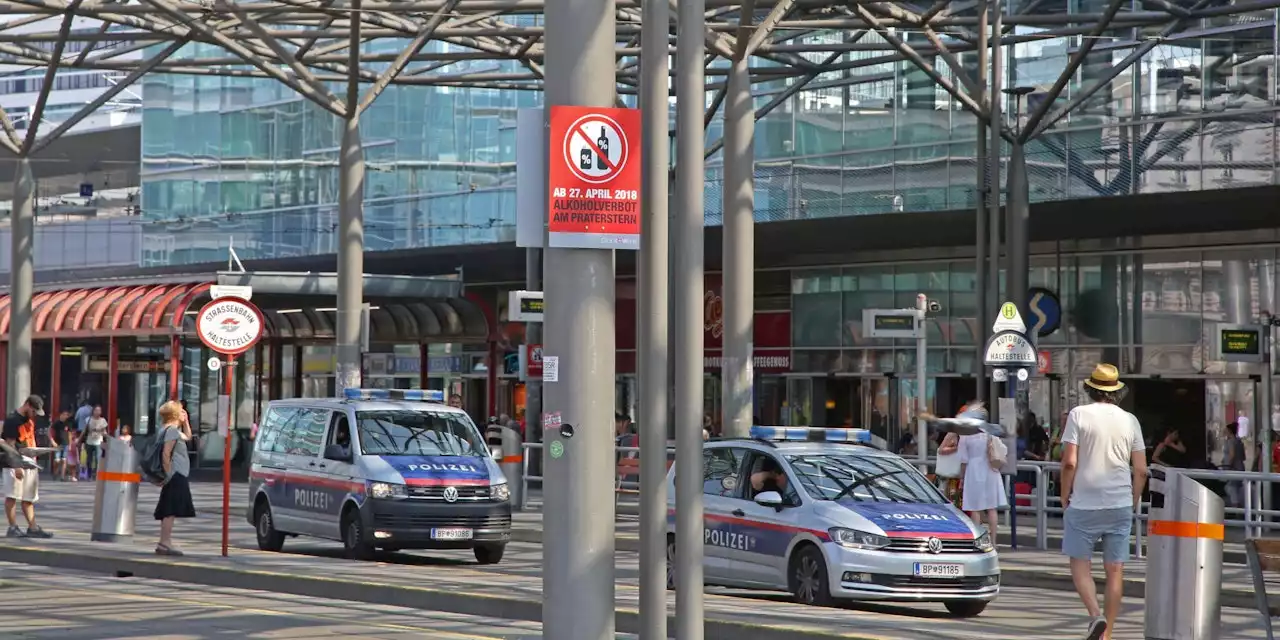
[769, 499]
[337, 452]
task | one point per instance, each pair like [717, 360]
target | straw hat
[1105, 377]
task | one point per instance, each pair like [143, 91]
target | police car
[377, 469]
[821, 514]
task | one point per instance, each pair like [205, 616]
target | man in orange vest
[22, 485]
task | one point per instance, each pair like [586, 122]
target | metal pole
[993, 200]
[922, 379]
[652, 317]
[533, 387]
[21, 281]
[228, 377]
[739, 251]
[1265, 417]
[350, 255]
[980, 219]
[687, 240]
[1017, 219]
[578, 540]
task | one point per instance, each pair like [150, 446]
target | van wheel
[966, 608]
[490, 553]
[353, 538]
[268, 538]
[671, 562]
[807, 577]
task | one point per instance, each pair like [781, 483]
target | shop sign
[126, 363]
[230, 326]
[593, 178]
[770, 361]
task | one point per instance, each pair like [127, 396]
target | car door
[767, 532]
[308, 484]
[267, 473]
[339, 475]
[721, 467]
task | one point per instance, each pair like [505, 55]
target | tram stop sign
[229, 326]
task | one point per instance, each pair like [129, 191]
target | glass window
[862, 478]
[815, 308]
[765, 473]
[413, 432]
[269, 435]
[720, 471]
[341, 431]
[304, 434]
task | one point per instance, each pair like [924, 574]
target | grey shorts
[1083, 528]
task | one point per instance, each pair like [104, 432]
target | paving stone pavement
[1020, 612]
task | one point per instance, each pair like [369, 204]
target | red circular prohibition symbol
[578, 129]
[246, 306]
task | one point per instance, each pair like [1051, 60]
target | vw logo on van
[935, 545]
[451, 495]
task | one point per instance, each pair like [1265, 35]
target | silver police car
[821, 514]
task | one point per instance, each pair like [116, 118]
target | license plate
[939, 570]
[451, 534]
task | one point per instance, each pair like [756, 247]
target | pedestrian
[93, 434]
[175, 496]
[982, 492]
[60, 436]
[83, 413]
[1233, 459]
[1104, 470]
[22, 485]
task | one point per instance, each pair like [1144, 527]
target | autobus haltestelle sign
[229, 326]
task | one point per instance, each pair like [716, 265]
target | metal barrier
[508, 450]
[1184, 572]
[115, 499]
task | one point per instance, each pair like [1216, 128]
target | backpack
[152, 465]
[997, 452]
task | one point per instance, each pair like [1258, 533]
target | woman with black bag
[175, 496]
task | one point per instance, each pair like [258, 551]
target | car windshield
[405, 432]
[862, 478]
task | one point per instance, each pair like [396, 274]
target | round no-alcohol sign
[230, 326]
[595, 148]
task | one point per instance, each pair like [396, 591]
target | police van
[821, 514]
[377, 469]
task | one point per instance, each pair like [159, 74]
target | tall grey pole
[350, 310]
[1265, 417]
[1017, 221]
[652, 316]
[980, 219]
[922, 380]
[687, 237]
[993, 178]
[738, 390]
[578, 538]
[21, 281]
[533, 387]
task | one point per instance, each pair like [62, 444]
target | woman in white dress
[983, 486]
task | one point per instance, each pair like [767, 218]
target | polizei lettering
[717, 538]
[443, 467]
[317, 500]
[932, 517]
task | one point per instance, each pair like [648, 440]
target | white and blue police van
[825, 516]
[377, 469]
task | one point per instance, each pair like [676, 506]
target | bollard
[507, 448]
[1184, 562]
[115, 498]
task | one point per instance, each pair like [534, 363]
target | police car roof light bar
[811, 434]
[411, 395]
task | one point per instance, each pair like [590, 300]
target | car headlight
[854, 539]
[387, 490]
[983, 543]
[500, 492]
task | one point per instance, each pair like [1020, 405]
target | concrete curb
[474, 604]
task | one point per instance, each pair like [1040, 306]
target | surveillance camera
[935, 306]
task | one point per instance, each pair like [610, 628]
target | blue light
[811, 434]
[411, 395]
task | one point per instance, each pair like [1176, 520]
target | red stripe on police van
[446, 482]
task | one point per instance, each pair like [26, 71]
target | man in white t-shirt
[1244, 431]
[1104, 469]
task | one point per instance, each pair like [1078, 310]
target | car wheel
[671, 562]
[268, 538]
[808, 579]
[353, 538]
[490, 553]
[966, 608]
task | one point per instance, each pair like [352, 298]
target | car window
[304, 434]
[340, 430]
[766, 473]
[269, 433]
[720, 468]
[862, 478]
[418, 432]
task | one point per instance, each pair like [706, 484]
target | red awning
[101, 312]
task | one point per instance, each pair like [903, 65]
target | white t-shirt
[1106, 436]
[95, 432]
[1242, 427]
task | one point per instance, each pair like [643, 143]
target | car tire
[671, 562]
[353, 538]
[269, 539]
[807, 577]
[490, 553]
[966, 608]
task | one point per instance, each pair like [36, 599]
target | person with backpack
[982, 456]
[175, 495]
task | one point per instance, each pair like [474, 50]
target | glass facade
[245, 158]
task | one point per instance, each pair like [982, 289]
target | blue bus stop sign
[1045, 310]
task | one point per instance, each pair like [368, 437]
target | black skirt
[175, 499]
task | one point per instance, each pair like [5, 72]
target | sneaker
[1097, 628]
[15, 532]
[37, 532]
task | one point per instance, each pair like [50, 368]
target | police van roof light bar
[411, 395]
[811, 434]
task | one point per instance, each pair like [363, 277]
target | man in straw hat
[1104, 468]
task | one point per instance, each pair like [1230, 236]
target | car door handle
[311, 464]
[739, 512]
[321, 465]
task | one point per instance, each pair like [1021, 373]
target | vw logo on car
[451, 495]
